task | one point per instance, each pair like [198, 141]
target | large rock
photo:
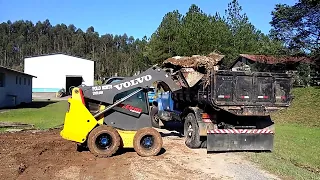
[199, 63]
[193, 68]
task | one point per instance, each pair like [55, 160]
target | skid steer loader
[107, 117]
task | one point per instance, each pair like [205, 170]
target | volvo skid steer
[117, 115]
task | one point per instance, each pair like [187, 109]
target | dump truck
[224, 110]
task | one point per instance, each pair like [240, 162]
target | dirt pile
[45, 155]
[197, 62]
[193, 68]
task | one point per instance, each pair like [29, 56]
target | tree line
[195, 32]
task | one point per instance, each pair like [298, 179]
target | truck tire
[154, 117]
[191, 131]
[103, 141]
[147, 142]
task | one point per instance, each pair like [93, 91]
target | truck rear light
[205, 116]
[281, 97]
[244, 97]
[224, 96]
[263, 97]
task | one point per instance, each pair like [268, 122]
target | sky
[136, 18]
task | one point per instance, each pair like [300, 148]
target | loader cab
[151, 93]
[113, 79]
[136, 104]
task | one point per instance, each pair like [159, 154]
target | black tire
[154, 117]
[142, 147]
[103, 149]
[191, 131]
[204, 144]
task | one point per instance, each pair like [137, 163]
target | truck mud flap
[240, 140]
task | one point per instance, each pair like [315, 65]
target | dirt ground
[45, 155]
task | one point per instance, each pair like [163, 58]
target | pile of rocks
[199, 63]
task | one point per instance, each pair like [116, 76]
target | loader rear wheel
[147, 142]
[191, 131]
[103, 141]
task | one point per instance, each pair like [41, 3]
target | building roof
[53, 54]
[12, 70]
[275, 60]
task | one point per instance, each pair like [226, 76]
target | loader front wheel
[147, 142]
[103, 141]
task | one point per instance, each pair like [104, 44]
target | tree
[298, 26]
[195, 33]
[112, 53]
[164, 42]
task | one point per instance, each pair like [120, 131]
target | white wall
[51, 70]
[23, 92]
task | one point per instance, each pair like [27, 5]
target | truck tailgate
[251, 91]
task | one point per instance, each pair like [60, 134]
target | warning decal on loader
[131, 108]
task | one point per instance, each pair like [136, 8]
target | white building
[15, 87]
[58, 71]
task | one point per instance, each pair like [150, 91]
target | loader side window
[138, 100]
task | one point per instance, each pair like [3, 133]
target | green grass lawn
[42, 114]
[296, 152]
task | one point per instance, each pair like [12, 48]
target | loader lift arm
[106, 93]
[117, 103]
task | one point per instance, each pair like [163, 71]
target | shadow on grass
[33, 104]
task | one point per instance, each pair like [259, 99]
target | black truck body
[229, 110]
[240, 93]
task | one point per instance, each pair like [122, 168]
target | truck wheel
[147, 142]
[154, 117]
[103, 141]
[191, 131]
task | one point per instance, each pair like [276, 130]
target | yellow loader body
[79, 122]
